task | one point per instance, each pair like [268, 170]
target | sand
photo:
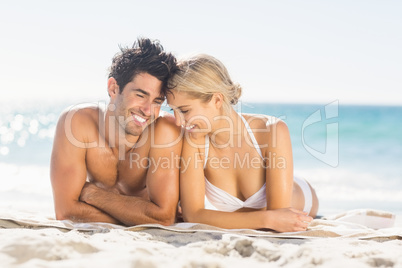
[33, 240]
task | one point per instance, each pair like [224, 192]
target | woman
[236, 169]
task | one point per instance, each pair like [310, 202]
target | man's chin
[135, 130]
[136, 133]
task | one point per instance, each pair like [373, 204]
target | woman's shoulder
[262, 121]
[266, 128]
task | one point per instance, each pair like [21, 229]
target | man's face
[139, 103]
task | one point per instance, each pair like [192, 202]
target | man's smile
[139, 119]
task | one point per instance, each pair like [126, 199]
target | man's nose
[146, 108]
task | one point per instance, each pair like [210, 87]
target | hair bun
[236, 93]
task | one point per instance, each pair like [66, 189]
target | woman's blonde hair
[201, 76]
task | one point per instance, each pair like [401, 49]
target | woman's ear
[217, 100]
[112, 87]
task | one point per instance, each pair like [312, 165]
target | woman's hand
[288, 220]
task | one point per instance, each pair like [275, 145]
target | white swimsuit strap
[206, 150]
[250, 132]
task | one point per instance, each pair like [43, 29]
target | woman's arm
[279, 174]
[192, 195]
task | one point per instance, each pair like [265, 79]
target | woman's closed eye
[180, 111]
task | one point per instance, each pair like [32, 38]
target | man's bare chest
[111, 170]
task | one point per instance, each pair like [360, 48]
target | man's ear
[112, 87]
[217, 100]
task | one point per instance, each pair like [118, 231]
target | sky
[279, 51]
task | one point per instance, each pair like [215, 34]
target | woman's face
[192, 114]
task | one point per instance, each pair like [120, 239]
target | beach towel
[358, 238]
[361, 223]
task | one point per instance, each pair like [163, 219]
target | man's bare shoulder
[166, 121]
[82, 113]
[166, 118]
[165, 130]
[81, 119]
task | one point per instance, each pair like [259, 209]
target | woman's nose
[178, 119]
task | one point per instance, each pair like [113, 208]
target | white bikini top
[218, 199]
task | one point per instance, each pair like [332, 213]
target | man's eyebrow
[142, 91]
[160, 98]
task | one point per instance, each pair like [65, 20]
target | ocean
[350, 154]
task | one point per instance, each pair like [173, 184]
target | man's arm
[162, 183]
[68, 171]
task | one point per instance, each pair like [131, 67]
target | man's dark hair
[145, 56]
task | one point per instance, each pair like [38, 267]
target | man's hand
[88, 191]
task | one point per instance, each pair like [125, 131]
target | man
[121, 165]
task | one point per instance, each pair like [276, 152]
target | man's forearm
[83, 212]
[130, 210]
